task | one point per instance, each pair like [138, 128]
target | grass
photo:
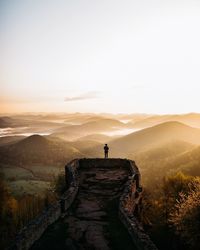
[33, 180]
[22, 187]
[45, 170]
[15, 173]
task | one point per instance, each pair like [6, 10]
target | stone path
[92, 223]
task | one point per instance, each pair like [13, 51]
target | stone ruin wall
[129, 205]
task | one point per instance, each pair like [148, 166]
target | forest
[18, 212]
[171, 213]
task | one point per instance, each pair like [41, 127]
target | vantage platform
[99, 211]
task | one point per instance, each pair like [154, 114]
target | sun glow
[92, 56]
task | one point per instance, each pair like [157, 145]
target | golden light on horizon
[118, 57]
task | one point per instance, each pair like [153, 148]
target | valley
[29, 153]
[35, 148]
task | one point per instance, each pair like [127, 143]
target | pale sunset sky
[100, 56]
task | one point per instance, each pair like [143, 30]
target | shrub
[186, 217]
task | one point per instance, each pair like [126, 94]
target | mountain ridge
[157, 134]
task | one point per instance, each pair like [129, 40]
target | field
[33, 180]
[20, 188]
[15, 173]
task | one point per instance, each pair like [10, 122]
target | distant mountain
[163, 151]
[27, 123]
[191, 119]
[188, 162]
[161, 160]
[83, 118]
[76, 131]
[34, 142]
[37, 149]
[87, 147]
[3, 123]
[10, 139]
[103, 125]
[96, 137]
[152, 136]
[132, 119]
[6, 122]
[149, 121]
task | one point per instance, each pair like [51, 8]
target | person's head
[105, 144]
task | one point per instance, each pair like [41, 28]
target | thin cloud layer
[85, 96]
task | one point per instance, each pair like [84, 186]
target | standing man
[106, 148]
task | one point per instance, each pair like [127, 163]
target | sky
[100, 56]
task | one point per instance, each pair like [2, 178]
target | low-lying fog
[121, 132]
[25, 131]
[21, 131]
[74, 126]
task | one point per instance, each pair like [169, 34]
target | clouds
[85, 96]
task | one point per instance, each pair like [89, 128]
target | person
[106, 148]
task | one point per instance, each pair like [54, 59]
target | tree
[164, 212]
[172, 187]
[186, 217]
[59, 184]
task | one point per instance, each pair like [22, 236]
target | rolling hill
[159, 161]
[27, 123]
[149, 137]
[97, 138]
[188, 162]
[6, 122]
[83, 118]
[190, 119]
[37, 149]
[163, 151]
[76, 131]
[10, 139]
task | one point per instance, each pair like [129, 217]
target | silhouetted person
[106, 149]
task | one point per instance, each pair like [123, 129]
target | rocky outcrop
[89, 222]
[102, 196]
[130, 208]
[100, 182]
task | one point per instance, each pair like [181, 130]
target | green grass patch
[22, 187]
[45, 170]
[15, 173]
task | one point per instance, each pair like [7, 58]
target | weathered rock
[98, 189]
